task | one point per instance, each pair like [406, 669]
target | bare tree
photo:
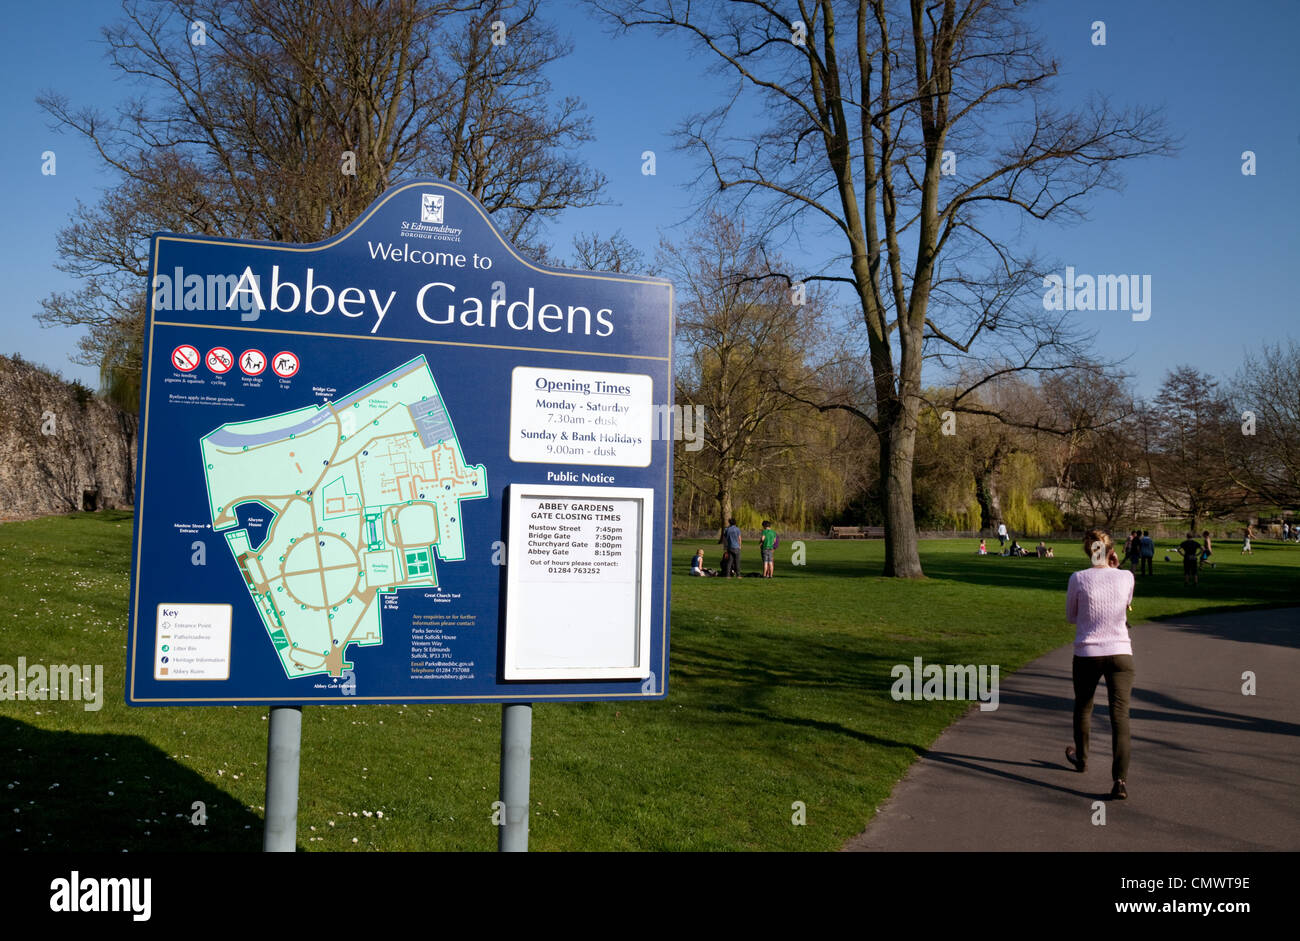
[616, 252]
[742, 339]
[1261, 439]
[1183, 430]
[871, 104]
[284, 119]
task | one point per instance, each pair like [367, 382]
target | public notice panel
[405, 464]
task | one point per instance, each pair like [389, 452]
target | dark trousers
[730, 562]
[1118, 671]
[1145, 567]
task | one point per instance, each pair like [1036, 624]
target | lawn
[778, 692]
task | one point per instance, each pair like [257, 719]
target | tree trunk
[725, 488]
[986, 494]
[897, 448]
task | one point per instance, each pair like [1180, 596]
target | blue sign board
[405, 464]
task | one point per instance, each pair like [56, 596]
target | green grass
[778, 692]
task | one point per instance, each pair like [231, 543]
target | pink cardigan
[1097, 602]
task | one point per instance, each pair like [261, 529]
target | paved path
[1212, 769]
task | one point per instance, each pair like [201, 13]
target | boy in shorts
[768, 548]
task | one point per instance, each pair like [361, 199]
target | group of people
[731, 542]
[1140, 550]
[1043, 551]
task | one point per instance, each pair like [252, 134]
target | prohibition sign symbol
[252, 362]
[220, 360]
[285, 364]
[185, 357]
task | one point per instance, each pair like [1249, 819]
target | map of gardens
[361, 491]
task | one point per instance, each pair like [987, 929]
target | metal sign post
[283, 747]
[516, 756]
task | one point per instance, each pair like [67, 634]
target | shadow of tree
[77, 792]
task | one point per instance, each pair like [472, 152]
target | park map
[362, 491]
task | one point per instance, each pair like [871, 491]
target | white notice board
[578, 583]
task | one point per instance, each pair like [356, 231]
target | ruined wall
[61, 447]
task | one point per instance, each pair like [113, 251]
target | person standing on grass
[1097, 600]
[731, 549]
[1189, 549]
[1146, 552]
[1130, 549]
[767, 547]
[1245, 541]
[1002, 533]
[1206, 549]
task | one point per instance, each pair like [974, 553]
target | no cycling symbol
[220, 360]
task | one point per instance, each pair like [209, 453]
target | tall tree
[743, 339]
[1261, 439]
[1182, 429]
[888, 116]
[284, 119]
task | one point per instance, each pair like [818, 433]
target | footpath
[1211, 768]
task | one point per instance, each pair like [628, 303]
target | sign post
[516, 754]
[403, 465]
[283, 748]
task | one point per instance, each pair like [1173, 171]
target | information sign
[440, 472]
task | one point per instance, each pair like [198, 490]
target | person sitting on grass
[1016, 549]
[1050, 554]
[1189, 549]
[982, 549]
[1042, 549]
[697, 565]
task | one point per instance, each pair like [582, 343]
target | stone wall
[61, 447]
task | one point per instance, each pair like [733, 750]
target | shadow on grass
[76, 792]
[1280, 630]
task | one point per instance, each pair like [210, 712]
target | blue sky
[1221, 248]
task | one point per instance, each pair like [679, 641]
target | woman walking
[1097, 602]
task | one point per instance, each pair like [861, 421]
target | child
[768, 548]
[982, 549]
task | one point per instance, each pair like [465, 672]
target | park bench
[857, 532]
